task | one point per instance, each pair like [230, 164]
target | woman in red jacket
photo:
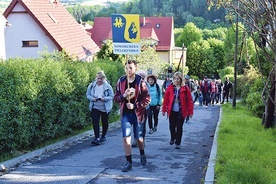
[178, 104]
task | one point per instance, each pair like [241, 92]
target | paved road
[87, 164]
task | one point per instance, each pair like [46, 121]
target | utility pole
[184, 49]
[236, 59]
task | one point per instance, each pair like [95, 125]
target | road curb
[17, 161]
[210, 173]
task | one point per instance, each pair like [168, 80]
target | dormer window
[157, 25]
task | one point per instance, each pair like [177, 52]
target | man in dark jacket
[226, 89]
[205, 88]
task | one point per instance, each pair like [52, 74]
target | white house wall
[164, 56]
[2, 38]
[2, 43]
[24, 28]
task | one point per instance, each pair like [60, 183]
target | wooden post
[128, 86]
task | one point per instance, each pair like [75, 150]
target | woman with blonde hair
[100, 94]
[178, 104]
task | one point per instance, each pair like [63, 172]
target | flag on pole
[126, 33]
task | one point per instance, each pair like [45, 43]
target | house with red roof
[39, 25]
[157, 30]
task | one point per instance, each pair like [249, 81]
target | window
[33, 43]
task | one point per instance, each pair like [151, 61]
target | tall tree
[146, 7]
[190, 34]
[216, 58]
[198, 59]
[229, 43]
[259, 18]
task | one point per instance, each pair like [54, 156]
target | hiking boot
[171, 142]
[127, 167]
[103, 139]
[177, 146]
[155, 129]
[96, 141]
[151, 131]
[143, 160]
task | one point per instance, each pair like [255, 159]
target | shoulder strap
[92, 83]
[158, 89]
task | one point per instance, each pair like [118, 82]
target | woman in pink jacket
[178, 104]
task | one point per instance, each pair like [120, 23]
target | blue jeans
[128, 121]
[200, 99]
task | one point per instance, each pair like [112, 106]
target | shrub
[226, 71]
[42, 99]
[253, 100]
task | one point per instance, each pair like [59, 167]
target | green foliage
[148, 59]
[250, 88]
[245, 149]
[198, 59]
[42, 99]
[260, 60]
[177, 32]
[216, 57]
[109, 70]
[218, 33]
[254, 103]
[182, 11]
[227, 71]
[106, 53]
[229, 42]
[189, 35]
[254, 99]
[199, 22]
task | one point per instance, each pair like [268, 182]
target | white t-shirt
[98, 93]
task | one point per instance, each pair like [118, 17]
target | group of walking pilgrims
[141, 99]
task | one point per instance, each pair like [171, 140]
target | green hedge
[42, 99]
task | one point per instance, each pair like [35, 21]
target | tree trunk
[270, 108]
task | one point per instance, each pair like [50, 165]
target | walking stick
[128, 86]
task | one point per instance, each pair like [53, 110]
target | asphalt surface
[76, 161]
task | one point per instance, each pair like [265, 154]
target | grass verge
[246, 150]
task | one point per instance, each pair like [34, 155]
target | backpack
[158, 89]
[191, 86]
